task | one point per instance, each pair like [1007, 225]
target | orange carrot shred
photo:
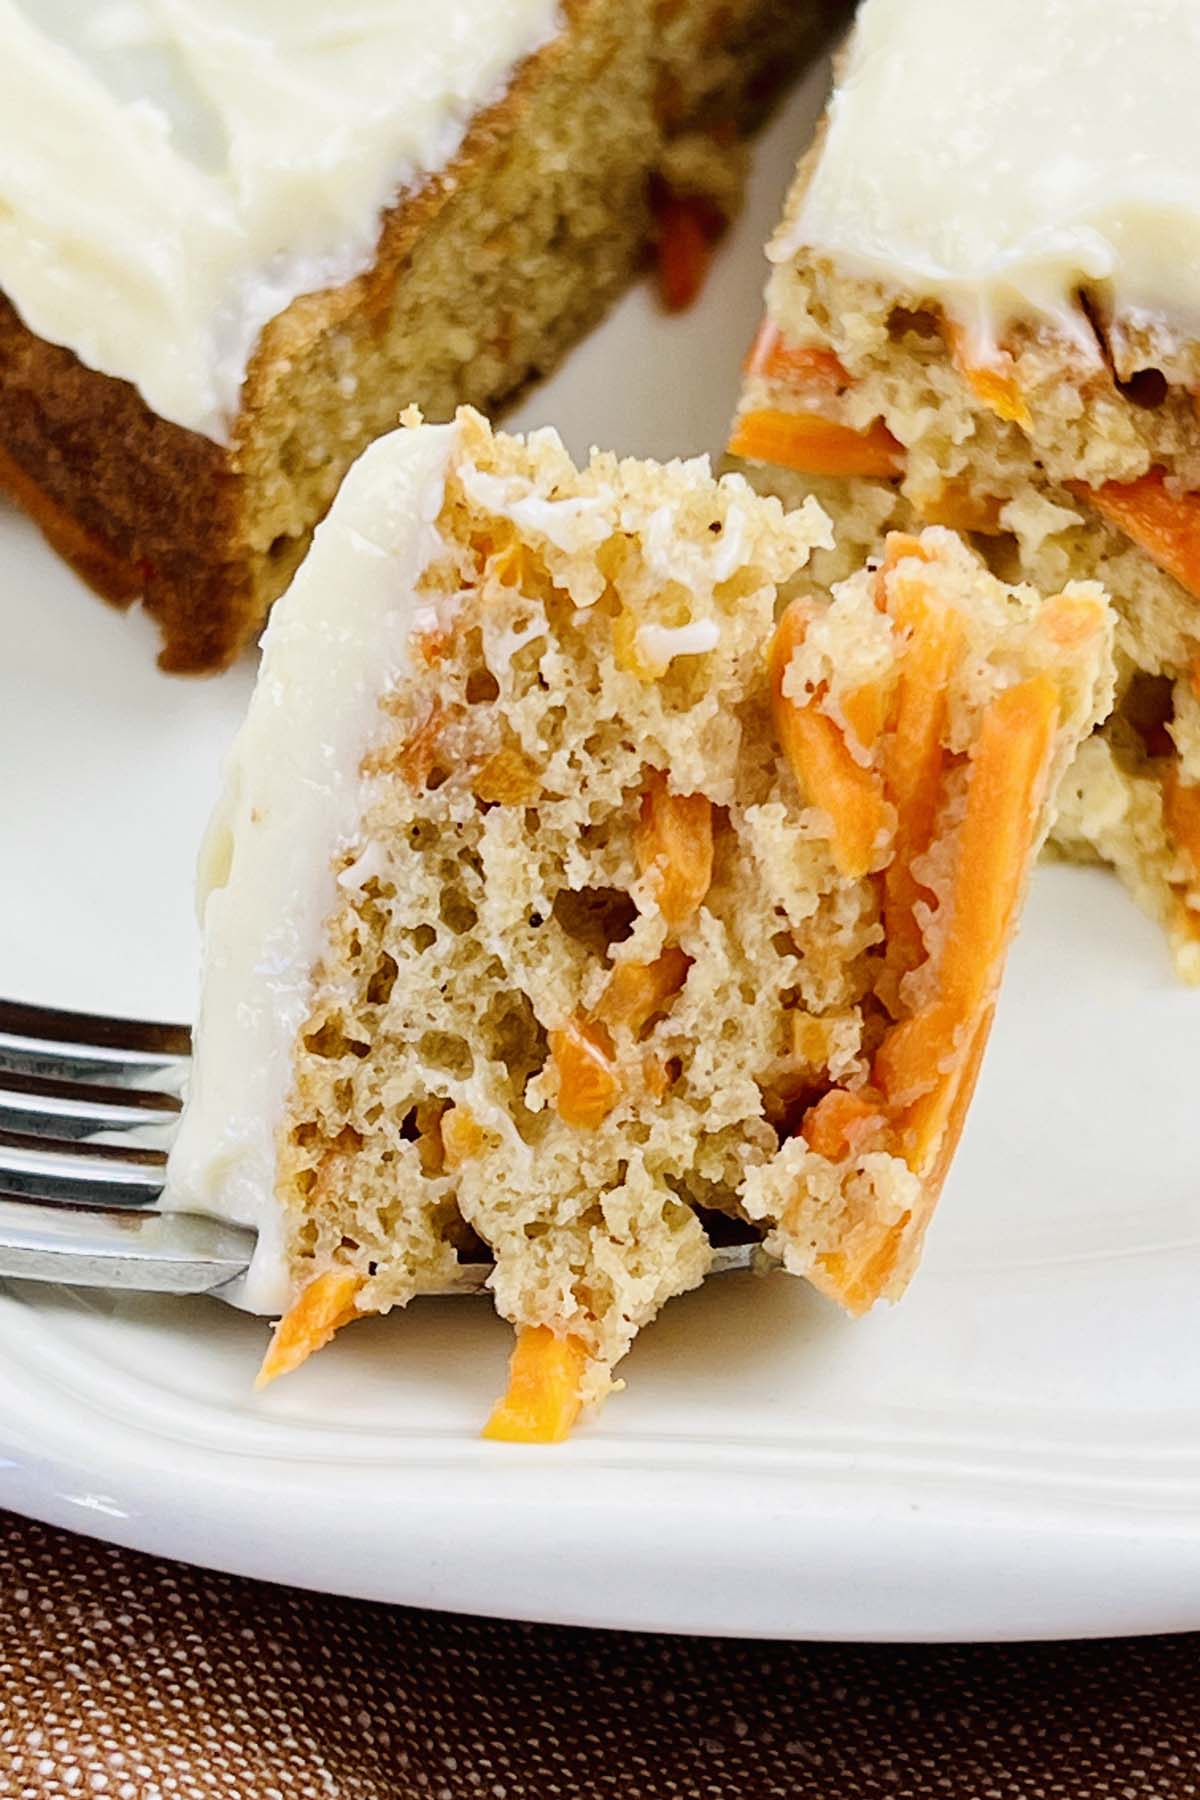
[798, 366]
[843, 1123]
[865, 709]
[936, 1122]
[674, 840]
[914, 767]
[462, 1136]
[993, 381]
[1184, 920]
[431, 645]
[588, 1084]
[1165, 525]
[688, 226]
[636, 991]
[1006, 785]
[419, 753]
[826, 772]
[955, 506]
[326, 1304]
[542, 1400]
[507, 778]
[815, 445]
[857, 1279]
[1181, 816]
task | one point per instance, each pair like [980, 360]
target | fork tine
[48, 1042]
[68, 1109]
[50, 1169]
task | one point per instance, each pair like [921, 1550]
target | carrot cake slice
[575, 882]
[983, 313]
[236, 238]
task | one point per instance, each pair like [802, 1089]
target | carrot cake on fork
[576, 880]
[984, 312]
[237, 238]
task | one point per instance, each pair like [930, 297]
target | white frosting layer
[292, 799]
[175, 172]
[996, 154]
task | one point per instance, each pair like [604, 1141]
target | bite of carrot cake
[579, 878]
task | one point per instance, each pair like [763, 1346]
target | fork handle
[144, 1252]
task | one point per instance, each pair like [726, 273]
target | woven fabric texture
[137, 1679]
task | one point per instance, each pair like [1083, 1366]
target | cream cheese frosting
[999, 154]
[173, 173]
[292, 799]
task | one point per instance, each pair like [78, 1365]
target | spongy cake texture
[662, 892]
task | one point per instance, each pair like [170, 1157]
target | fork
[88, 1108]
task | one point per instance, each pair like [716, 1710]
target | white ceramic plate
[1014, 1451]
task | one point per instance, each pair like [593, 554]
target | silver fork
[88, 1108]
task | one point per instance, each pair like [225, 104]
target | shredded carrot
[816, 445]
[865, 709]
[688, 226]
[674, 839]
[826, 772]
[857, 1279]
[1193, 676]
[588, 1084]
[1165, 525]
[636, 991]
[657, 1073]
[1181, 816]
[993, 381]
[955, 506]
[507, 778]
[797, 366]
[841, 1124]
[1184, 920]
[898, 547]
[431, 645]
[462, 1136]
[1005, 788]
[935, 1124]
[542, 1400]
[832, 780]
[419, 753]
[914, 766]
[326, 1304]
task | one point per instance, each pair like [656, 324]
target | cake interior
[676, 893]
[1058, 463]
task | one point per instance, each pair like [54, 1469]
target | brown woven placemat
[136, 1679]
